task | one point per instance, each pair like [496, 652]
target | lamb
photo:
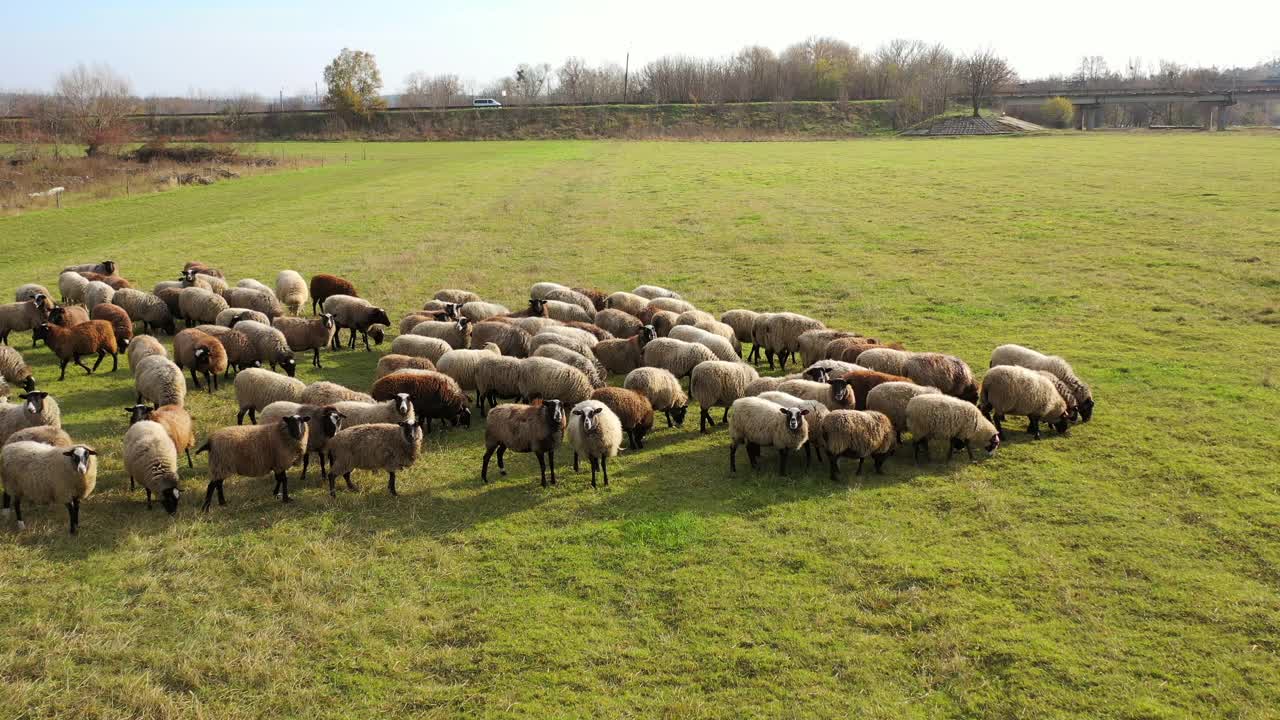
[269, 344]
[536, 428]
[257, 388]
[106, 267]
[958, 422]
[159, 381]
[199, 306]
[760, 423]
[233, 315]
[15, 370]
[263, 301]
[1081, 395]
[381, 446]
[885, 359]
[721, 347]
[549, 379]
[663, 391]
[358, 315]
[671, 305]
[813, 343]
[435, 396]
[457, 333]
[857, 434]
[595, 372]
[71, 315]
[325, 286]
[677, 356]
[241, 351]
[782, 335]
[649, 292]
[628, 303]
[121, 324]
[203, 354]
[718, 383]
[145, 307]
[143, 346]
[478, 310]
[624, 356]
[56, 437]
[71, 344]
[324, 392]
[201, 268]
[570, 297]
[618, 323]
[835, 393]
[634, 412]
[496, 377]
[43, 474]
[37, 409]
[595, 433]
[566, 312]
[509, 337]
[1016, 390]
[72, 286]
[20, 316]
[428, 348]
[98, 292]
[304, 334]
[150, 459]
[461, 365]
[891, 399]
[291, 288]
[176, 422]
[457, 297]
[949, 374]
[31, 291]
[325, 422]
[254, 451]
[863, 381]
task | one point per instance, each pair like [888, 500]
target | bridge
[1089, 103]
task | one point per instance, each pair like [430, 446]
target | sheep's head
[81, 457]
[188, 275]
[463, 418]
[29, 383]
[330, 421]
[376, 333]
[678, 413]
[296, 425]
[840, 389]
[969, 393]
[42, 332]
[537, 307]
[378, 316]
[169, 499]
[993, 444]
[290, 366]
[34, 401]
[1062, 423]
[412, 432]
[647, 333]
[451, 310]
[137, 413]
[817, 373]
[1086, 409]
[588, 418]
[326, 319]
[553, 410]
[462, 325]
[201, 356]
[402, 404]
[109, 267]
[795, 417]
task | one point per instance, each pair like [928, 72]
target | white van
[485, 103]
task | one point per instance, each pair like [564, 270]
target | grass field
[1130, 569]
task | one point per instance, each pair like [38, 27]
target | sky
[219, 48]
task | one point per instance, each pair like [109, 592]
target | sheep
[949, 374]
[715, 327]
[72, 286]
[891, 399]
[650, 292]
[595, 295]
[662, 321]
[1081, 395]
[257, 388]
[145, 307]
[304, 334]
[435, 396]
[151, 460]
[457, 297]
[191, 278]
[200, 306]
[633, 409]
[37, 408]
[958, 422]
[263, 301]
[663, 390]
[535, 325]
[571, 342]
[539, 290]
[824, 370]
[291, 289]
[671, 305]
[439, 306]
[496, 377]
[166, 285]
[759, 335]
[71, 344]
[693, 317]
[457, 333]
[325, 286]
[537, 428]
[114, 281]
[461, 365]
[741, 321]
[254, 451]
[241, 351]
[15, 370]
[269, 344]
[176, 422]
[885, 359]
[478, 310]
[857, 434]
[358, 315]
[202, 353]
[31, 291]
[98, 292]
[628, 303]
[410, 321]
[201, 268]
[233, 315]
[767, 384]
[834, 393]
[509, 337]
[429, 348]
[718, 383]
[396, 410]
[172, 299]
[813, 343]
[121, 324]
[159, 381]
[252, 284]
[20, 316]
[542, 377]
[862, 381]
[56, 437]
[44, 474]
[1016, 390]
[677, 356]
[782, 335]
[817, 411]
[325, 422]
[380, 446]
[324, 392]
[143, 346]
[564, 311]
[595, 432]
[578, 335]
[620, 324]
[106, 267]
[596, 372]
[569, 297]
[760, 423]
[721, 347]
[4, 392]
[71, 315]
[624, 356]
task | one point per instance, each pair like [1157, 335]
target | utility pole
[626, 77]
[281, 99]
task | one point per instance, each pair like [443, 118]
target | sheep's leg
[542, 466]
[724, 418]
[306, 460]
[998, 421]
[951, 449]
[63, 376]
[703, 419]
[640, 437]
[808, 456]
[753, 455]
[352, 343]
[253, 416]
[782, 461]
[131, 484]
[860, 461]
[484, 466]
[668, 414]
[315, 358]
[391, 484]
[212, 376]
[366, 341]
[879, 461]
[768, 355]
[733, 457]
[575, 461]
[283, 479]
[350, 485]
[195, 379]
[17, 514]
[115, 362]
[915, 448]
[333, 491]
[969, 449]
[502, 465]
[604, 467]
[754, 355]
[239, 416]
[222, 500]
[1033, 426]
[75, 515]
[101, 354]
[595, 463]
[321, 456]
[835, 467]
[148, 494]
[4, 501]
[190, 464]
[551, 460]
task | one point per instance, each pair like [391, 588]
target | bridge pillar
[1206, 116]
[1088, 117]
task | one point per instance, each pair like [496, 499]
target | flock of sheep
[853, 397]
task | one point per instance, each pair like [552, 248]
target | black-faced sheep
[510, 338]
[304, 334]
[21, 317]
[663, 390]
[622, 356]
[257, 388]
[856, 434]
[270, 344]
[202, 353]
[357, 315]
[1081, 395]
[618, 323]
[324, 286]
[241, 351]
[435, 396]
[536, 428]
[15, 370]
[949, 374]
[633, 409]
[380, 446]
[151, 460]
[325, 422]
[718, 383]
[43, 474]
[1016, 390]
[456, 333]
[291, 289]
[760, 423]
[956, 421]
[176, 422]
[834, 393]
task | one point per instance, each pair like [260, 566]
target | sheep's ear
[91, 451]
[577, 412]
[596, 411]
[305, 419]
[782, 410]
[70, 453]
[805, 411]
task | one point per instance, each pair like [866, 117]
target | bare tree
[984, 71]
[435, 91]
[95, 104]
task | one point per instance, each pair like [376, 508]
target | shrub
[1058, 112]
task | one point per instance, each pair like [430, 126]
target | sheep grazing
[357, 315]
[510, 338]
[198, 306]
[622, 356]
[885, 359]
[1081, 395]
[392, 362]
[263, 301]
[303, 334]
[15, 370]
[176, 422]
[856, 434]
[95, 337]
[718, 345]
[43, 474]
[435, 396]
[419, 346]
[718, 383]
[782, 333]
[1016, 390]
[767, 384]
[834, 393]
[31, 291]
[106, 267]
[549, 379]
[324, 392]
[381, 446]
[949, 374]
[693, 317]
[203, 354]
[813, 343]
[633, 409]
[241, 351]
[568, 341]
[477, 310]
[497, 377]
[455, 296]
[618, 323]
[582, 339]
[159, 381]
[663, 391]
[172, 299]
[439, 306]
[566, 312]
[534, 325]
[199, 268]
[325, 286]
[254, 451]
[570, 297]
[863, 381]
[891, 399]
[212, 283]
[628, 303]
[291, 289]
[958, 422]
[325, 422]
[595, 432]
[676, 356]
[72, 315]
[595, 295]
[257, 388]
[72, 286]
[36, 409]
[461, 365]
[760, 423]
[258, 285]
[115, 282]
[120, 322]
[151, 460]
[21, 317]
[596, 372]
[233, 315]
[146, 308]
[591, 329]
[742, 322]
[536, 428]
[56, 437]
[270, 345]
[670, 305]
[457, 333]
[649, 292]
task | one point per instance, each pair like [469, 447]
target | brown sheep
[202, 353]
[861, 382]
[323, 286]
[71, 315]
[390, 363]
[595, 295]
[200, 268]
[115, 281]
[537, 428]
[949, 374]
[633, 409]
[434, 396]
[176, 422]
[849, 348]
[510, 338]
[119, 320]
[71, 344]
[241, 352]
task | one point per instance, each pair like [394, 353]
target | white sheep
[886, 360]
[589, 365]
[291, 288]
[629, 303]
[457, 333]
[663, 390]
[257, 388]
[96, 293]
[760, 423]
[891, 399]
[1082, 396]
[394, 411]
[461, 365]
[835, 393]
[549, 379]
[431, 348]
[676, 356]
[72, 286]
[595, 432]
[478, 310]
[856, 434]
[497, 377]
[37, 408]
[649, 292]
[717, 344]
[159, 381]
[200, 306]
[1016, 390]
[44, 474]
[817, 411]
[718, 383]
[323, 392]
[567, 312]
[151, 460]
[956, 421]
[233, 315]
